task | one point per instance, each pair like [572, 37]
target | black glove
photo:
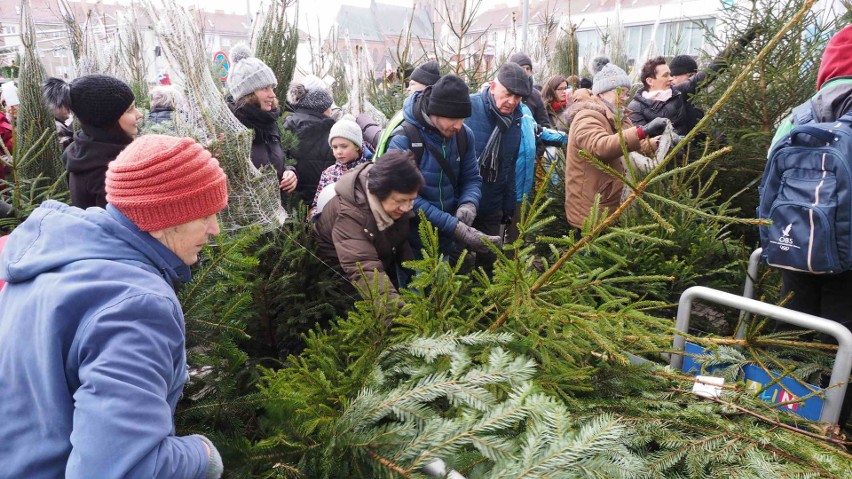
[655, 127]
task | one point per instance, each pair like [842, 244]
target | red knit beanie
[836, 59]
[160, 181]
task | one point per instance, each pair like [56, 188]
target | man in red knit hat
[92, 345]
[826, 295]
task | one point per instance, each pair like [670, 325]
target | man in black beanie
[434, 126]
[533, 101]
[496, 126]
[682, 68]
[422, 77]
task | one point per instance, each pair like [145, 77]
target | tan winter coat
[347, 234]
[592, 126]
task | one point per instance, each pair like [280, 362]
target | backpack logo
[785, 241]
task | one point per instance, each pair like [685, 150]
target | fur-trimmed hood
[573, 110]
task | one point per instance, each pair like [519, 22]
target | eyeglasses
[563, 88]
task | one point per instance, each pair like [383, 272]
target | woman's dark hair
[395, 171]
[548, 92]
[649, 69]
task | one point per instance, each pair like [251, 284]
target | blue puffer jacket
[438, 199]
[92, 355]
[497, 197]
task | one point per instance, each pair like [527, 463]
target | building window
[685, 37]
[226, 42]
[59, 52]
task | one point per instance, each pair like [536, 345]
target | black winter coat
[312, 153]
[678, 109]
[536, 105]
[86, 160]
[159, 116]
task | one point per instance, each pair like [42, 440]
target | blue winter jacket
[525, 166]
[497, 197]
[438, 199]
[92, 355]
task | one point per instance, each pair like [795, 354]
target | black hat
[515, 79]
[683, 64]
[449, 97]
[100, 100]
[427, 73]
[521, 59]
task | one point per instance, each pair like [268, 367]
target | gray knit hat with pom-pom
[597, 64]
[247, 73]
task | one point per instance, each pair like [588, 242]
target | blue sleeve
[445, 222]
[470, 183]
[509, 198]
[554, 136]
[130, 358]
[399, 142]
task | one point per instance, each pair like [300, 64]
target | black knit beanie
[449, 97]
[683, 64]
[427, 73]
[100, 100]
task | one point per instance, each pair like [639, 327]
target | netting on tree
[254, 197]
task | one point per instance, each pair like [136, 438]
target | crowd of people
[100, 363]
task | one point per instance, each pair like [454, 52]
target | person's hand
[288, 181]
[655, 127]
[474, 239]
[466, 213]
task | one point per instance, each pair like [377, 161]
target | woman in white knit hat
[251, 84]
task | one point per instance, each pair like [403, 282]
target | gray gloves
[475, 239]
[655, 127]
[466, 213]
[214, 461]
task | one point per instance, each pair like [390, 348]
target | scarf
[264, 123]
[558, 106]
[489, 160]
[658, 95]
[383, 219]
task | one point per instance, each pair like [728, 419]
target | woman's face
[129, 121]
[562, 92]
[398, 204]
[265, 98]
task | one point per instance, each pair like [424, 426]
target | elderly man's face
[505, 100]
[186, 240]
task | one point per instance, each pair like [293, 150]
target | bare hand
[288, 181]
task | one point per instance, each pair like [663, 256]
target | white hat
[10, 94]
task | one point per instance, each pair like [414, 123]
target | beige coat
[593, 130]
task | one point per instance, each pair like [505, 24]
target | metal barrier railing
[748, 288]
[836, 390]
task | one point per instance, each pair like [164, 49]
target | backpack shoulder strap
[416, 140]
[461, 142]
[803, 114]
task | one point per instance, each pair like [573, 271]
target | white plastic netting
[253, 196]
